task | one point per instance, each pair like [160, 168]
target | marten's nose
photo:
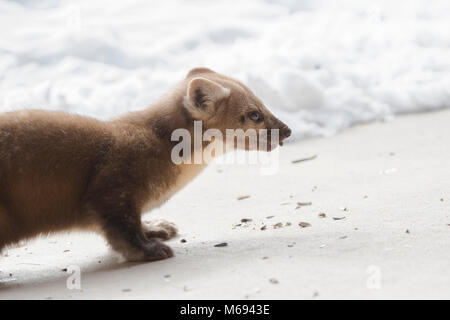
[285, 131]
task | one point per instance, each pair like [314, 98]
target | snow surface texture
[322, 66]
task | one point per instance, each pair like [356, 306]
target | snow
[322, 66]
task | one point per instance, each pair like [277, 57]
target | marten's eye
[255, 116]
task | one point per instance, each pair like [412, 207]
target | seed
[273, 280]
[277, 225]
[223, 244]
[304, 224]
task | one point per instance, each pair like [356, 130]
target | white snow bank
[321, 65]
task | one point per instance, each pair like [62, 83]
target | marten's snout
[285, 131]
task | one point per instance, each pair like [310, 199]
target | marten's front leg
[124, 231]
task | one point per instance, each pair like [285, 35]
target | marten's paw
[156, 250]
[152, 250]
[161, 229]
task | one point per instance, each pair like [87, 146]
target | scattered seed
[183, 240]
[277, 225]
[343, 237]
[304, 224]
[302, 204]
[288, 224]
[167, 276]
[285, 203]
[304, 159]
[246, 220]
[223, 244]
[442, 199]
[66, 250]
[338, 218]
[243, 197]
[264, 227]
[322, 215]
[273, 280]
[407, 231]
[64, 270]
[269, 217]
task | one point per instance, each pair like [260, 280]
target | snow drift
[321, 65]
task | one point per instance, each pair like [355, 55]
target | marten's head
[223, 103]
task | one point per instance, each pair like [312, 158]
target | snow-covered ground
[321, 65]
[391, 239]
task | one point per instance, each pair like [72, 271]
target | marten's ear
[198, 71]
[203, 97]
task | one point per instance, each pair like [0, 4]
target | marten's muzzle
[285, 132]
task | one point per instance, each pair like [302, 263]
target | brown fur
[60, 171]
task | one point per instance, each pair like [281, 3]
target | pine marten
[61, 171]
